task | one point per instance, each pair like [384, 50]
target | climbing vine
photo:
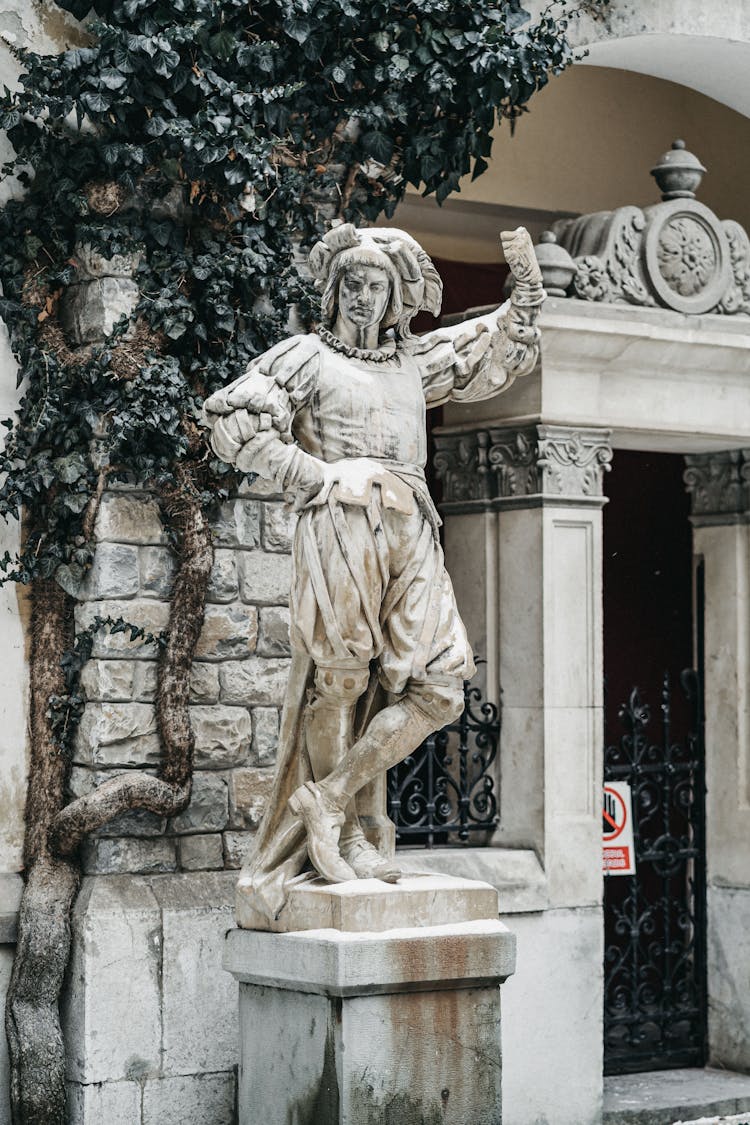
[192, 146]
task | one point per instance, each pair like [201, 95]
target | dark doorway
[655, 1007]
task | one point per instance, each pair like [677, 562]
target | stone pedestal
[390, 1025]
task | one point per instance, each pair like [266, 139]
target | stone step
[677, 1097]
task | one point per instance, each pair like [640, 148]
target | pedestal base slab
[371, 905]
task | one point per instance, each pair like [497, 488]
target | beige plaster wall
[587, 144]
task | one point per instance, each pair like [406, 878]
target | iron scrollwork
[445, 791]
[654, 963]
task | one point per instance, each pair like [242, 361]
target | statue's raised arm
[336, 419]
[479, 358]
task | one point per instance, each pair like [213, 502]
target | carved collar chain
[370, 355]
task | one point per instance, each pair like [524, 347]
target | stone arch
[703, 46]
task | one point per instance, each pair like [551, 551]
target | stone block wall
[237, 686]
[149, 1015]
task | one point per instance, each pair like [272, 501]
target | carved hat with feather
[415, 283]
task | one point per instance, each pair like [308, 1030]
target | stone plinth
[391, 1024]
[369, 904]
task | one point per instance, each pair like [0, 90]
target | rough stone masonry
[237, 686]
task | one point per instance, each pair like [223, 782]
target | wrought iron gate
[445, 791]
[654, 959]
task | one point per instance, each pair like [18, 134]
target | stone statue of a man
[336, 419]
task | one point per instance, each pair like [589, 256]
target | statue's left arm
[479, 358]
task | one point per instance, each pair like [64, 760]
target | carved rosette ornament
[522, 467]
[675, 254]
[688, 262]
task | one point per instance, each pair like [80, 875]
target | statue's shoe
[367, 862]
[322, 820]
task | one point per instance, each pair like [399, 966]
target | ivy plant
[204, 142]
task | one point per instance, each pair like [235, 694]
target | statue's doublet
[362, 408]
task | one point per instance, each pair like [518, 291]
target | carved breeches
[369, 583]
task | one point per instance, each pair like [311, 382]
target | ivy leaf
[480, 166]
[69, 469]
[166, 62]
[95, 101]
[299, 29]
[378, 145]
[162, 233]
[223, 44]
[517, 16]
[111, 153]
[76, 501]
[112, 78]
[70, 577]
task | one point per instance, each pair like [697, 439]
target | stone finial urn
[556, 264]
[678, 173]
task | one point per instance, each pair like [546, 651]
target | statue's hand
[252, 396]
[352, 479]
[520, 256]
[356, 472]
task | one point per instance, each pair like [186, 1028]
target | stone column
[719, 486]
[523, 519]
[522, 509]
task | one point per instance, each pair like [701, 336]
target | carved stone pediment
[675, 254]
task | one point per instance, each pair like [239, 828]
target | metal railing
[445, 792]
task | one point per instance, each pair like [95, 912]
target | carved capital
[460, 462]
[719, 486]
[573, 462]
[522, 467]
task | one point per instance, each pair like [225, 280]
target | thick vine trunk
[32, 1020]
[169, 792]
[54, 831]
[37, 1085]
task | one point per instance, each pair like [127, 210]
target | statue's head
[374, 274]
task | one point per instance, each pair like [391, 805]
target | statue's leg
[329, 720]
[329, 735]
[393, 734]
[329, 725]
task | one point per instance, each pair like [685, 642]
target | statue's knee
[442, 703]
[340, 685]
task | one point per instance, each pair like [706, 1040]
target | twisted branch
[55, 831]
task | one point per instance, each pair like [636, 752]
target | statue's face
[364, 292]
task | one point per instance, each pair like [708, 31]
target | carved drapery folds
[521, 466]
[719, 486]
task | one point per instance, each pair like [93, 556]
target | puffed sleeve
[478, 358]
[251, 419]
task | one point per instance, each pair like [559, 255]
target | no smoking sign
[617, 829]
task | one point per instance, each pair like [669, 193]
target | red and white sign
[617, 829]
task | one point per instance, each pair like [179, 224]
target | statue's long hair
[415, 283]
